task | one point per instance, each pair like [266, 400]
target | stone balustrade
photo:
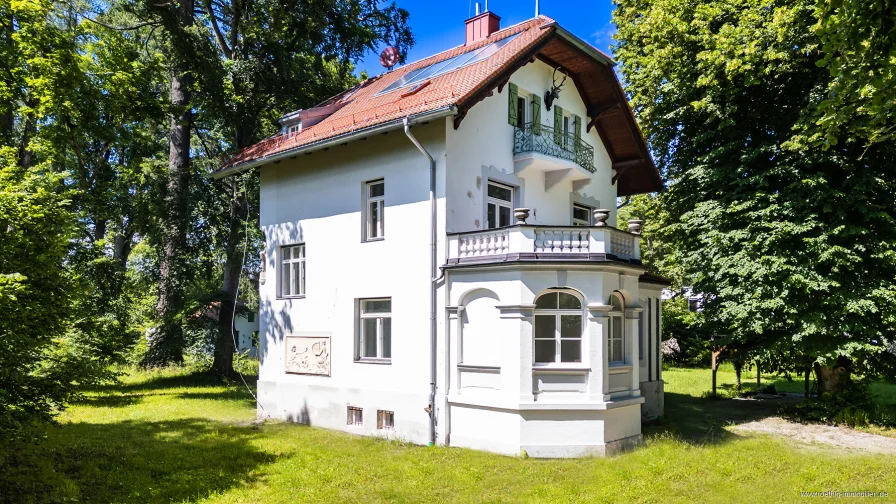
[530, 242]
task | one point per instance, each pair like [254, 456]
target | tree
[858, 43]
[276, 58]
[794, 246]
[63, 321]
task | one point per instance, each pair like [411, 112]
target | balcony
[542, 139]
[544, 243]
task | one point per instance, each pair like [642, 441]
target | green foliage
[854, 407]
[687, 329]
[36, 293]
[794, 246]
[858, 44]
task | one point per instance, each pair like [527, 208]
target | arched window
[615, 342]
[558, 327]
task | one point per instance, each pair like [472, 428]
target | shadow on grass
[110, 400]
[192, 380]
[700, 421]
[170, 461]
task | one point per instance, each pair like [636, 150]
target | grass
[173, 436]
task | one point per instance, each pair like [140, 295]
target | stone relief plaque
[308, 355]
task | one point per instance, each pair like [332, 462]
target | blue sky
[439, 24]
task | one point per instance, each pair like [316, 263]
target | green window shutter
[577, 125]
[536, 119]
[558, 125]
[512, 95]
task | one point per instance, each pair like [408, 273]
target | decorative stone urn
[600, 217]
[634, 226]
[521, 215]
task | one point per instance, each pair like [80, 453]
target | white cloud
[603, 37]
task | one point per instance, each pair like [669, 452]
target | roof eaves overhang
[394, 124]
[583, 46]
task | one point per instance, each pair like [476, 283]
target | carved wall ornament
[308, 355]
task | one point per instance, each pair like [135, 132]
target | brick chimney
[482, 25]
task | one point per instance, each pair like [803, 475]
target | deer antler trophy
[554, 93]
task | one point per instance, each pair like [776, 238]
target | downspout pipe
[432, 280]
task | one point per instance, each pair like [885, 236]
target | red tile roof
[362, 108]
[365, 109]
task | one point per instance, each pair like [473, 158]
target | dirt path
[834, 437]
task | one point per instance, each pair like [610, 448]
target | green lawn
[175, 437]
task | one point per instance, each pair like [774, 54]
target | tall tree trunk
[225, 345]
[121, 248]
[833, 379]
[738, 371]
[806, 381]
[167, 344]
[26, 156]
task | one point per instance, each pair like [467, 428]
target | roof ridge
[498, 35]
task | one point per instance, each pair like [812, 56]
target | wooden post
[716, 352]
[758, 377]
[806, 384]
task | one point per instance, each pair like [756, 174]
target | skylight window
[449, 65]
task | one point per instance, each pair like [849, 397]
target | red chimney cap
[481, 26]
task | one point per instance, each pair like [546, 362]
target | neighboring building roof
[366, 109]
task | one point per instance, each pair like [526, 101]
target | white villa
[443, 262]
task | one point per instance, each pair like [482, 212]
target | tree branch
[218, 35]
[124, 28]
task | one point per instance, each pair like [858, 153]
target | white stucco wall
[317, 200]
[245, 328]
[482, 148]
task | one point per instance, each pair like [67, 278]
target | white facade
[246, 329]
[322, 347]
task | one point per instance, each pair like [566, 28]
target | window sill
[560, 368]
[368, 240]
[479, 367]
[371, 360]
[619, 367]
[291, 297]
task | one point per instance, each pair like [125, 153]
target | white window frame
[374, 232]
[380, 332]
[557, 313]
[617, 318]
[294, 128]
[498, 204]
[291, 267]
[578, 222]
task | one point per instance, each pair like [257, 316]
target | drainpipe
[432, 281]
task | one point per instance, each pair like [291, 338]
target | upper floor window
[581, 215]
[499, 205]
[375, 193]
[615, 341]
[521, 111]
[294, 128]
[375, 324]
[558, 328]
[293, 262]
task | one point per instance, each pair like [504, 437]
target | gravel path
[835, 437]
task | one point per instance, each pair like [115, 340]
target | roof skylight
[448, 65]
